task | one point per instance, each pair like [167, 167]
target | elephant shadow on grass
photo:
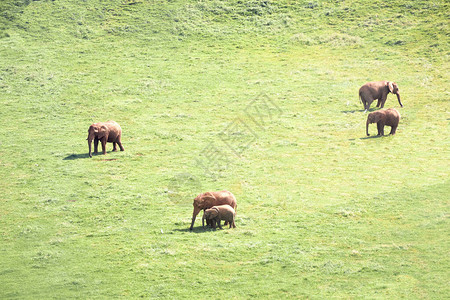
[198, 229]
[85, 155]
[370, 137]
[76, 156]
[358, 110]
[373, 137]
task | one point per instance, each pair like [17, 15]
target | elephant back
[226, 198]
[226, 212]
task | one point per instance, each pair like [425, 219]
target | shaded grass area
[322, 211]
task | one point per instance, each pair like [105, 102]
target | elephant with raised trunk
[209, 199]
[104, 132]
[378, 90]
[384, 117]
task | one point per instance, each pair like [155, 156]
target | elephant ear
[214, 212]
[93, 128]
[207, 213]
[91, 131]
[390, 85]
[102, 131]
[208, 199]
[376, 118]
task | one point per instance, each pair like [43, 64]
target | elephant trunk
[398, 98]
[194, 215]
[90, 145]
[367, 127]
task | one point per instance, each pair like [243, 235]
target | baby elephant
[389, 117]
[220, 212]
[104, 132]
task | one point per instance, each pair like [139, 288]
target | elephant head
[202, 201]
[373, 117]
[393, 88]
[209, 214]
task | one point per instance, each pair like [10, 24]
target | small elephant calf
[220, 212]
[383, 117]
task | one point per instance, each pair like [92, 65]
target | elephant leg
[120, 146]
[367, 105]
[232, 225]
[95, 145]
[218, 223]
[379, 128]
[104, 146]
[119, 142]
[363, 101]
[203, 219]
[114, 146]
[378, 103]
[383, 100]
[209, 223]
[393, 129]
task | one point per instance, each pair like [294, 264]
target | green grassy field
[263, 93]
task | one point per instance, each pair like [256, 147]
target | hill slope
[256, 97]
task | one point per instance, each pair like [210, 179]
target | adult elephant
[104, 132]
[378, 90]
[210, 199]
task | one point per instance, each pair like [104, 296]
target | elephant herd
[221, 205]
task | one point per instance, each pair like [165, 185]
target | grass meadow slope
[256, 97]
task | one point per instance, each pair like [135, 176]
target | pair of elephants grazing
[105, 132]
[216, 206]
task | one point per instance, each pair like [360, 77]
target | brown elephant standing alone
[104, 132]
[378, 90]
[389, 117]
[210, 199]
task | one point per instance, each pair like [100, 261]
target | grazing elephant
[220, 212]
[389, 117]
[210, 199]
[104, 132]
[378, 90]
